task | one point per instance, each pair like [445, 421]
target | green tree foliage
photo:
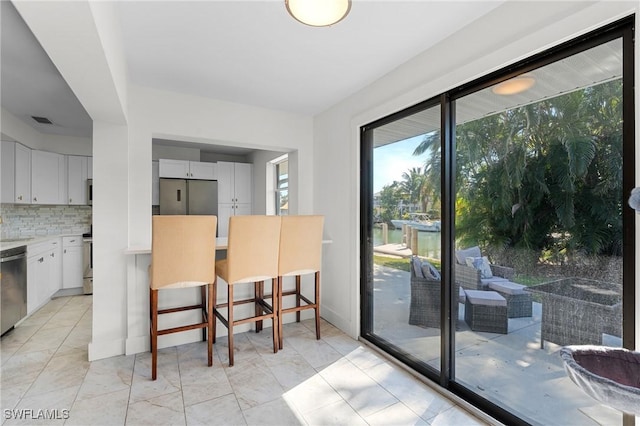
[542, 176]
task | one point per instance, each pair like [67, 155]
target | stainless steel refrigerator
[188, 196]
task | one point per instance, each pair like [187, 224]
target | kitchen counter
[26, 241]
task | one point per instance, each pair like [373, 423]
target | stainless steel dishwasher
[13, 283]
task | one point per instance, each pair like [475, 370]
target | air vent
[43, 120]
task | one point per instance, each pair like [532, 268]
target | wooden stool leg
[230, 321]
[210, 319]
[279, 287]
[274, 320]
[317, 301]
[214, 300]
[203, 307]
[298, 289]
[258, 295]
[154, 334]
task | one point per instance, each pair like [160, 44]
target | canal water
[428, 242]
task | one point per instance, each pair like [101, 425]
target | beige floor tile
[107, 376]
[221, 411]
[167, 382]
[277, 413]
[312, 394]
[107, 409]
[337, 413]
[397, 414]
[166, 409]
[359, 390]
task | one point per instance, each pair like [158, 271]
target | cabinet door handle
[41, 260]
[53, 255]
[65, 251]
[35, 199]
[72, 241]
[71, 200]
[20, 197]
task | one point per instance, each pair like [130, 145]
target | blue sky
[391, 161]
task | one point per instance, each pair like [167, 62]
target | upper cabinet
[187, 169]
[8, 190]
[77, 172]
[48, 178]
[22, 183]
[235, 183]
[40, 177]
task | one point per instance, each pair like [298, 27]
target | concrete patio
[510, 370]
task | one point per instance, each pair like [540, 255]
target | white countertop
[221, 244]
[25, 241]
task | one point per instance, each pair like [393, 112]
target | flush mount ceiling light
[318, 13]
[514, 85]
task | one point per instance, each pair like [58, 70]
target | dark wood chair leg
[230, 321]
[214, 308]
[279, 297]
[210, 320]
[258, 295]
[274, 320]
[317, 301]
[298, 289]
[203, 307]
[154, 334]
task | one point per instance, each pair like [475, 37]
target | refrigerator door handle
[178, 195]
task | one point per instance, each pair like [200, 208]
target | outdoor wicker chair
[424, 309]
[470, 278]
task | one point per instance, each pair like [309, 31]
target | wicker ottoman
[486, 311]
[518, 299]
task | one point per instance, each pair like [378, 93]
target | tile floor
[45, 373]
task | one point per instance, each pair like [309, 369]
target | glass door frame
[623, 29]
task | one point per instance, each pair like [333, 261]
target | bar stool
[183, 252]
[300, 254]
[252, 257]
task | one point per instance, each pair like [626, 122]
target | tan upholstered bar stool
[183, 252]
[300, 254]
[252, 257]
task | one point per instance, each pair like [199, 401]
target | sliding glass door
[496, 230]
[404, 295]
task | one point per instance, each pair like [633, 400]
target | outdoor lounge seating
[486, 311]
[424, 309]
[577, 311]
[471, 278]
[519, 302]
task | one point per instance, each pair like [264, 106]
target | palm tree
[411, 185]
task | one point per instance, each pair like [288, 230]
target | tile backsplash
[29, 220]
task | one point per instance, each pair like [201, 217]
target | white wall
[513, 31]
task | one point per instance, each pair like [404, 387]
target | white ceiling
[249, 52]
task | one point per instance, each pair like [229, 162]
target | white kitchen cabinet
[22, 175]
[89, 167]
[48, 178]
[72, 262]
[8, 172]
[187, 169]
[235, 193]
[77, 172]
[155, 183]
[44, 272]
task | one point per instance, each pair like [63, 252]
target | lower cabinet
[44, 272]
[72, 262]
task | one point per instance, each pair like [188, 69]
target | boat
[419, 221]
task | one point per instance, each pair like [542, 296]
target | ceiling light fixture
[514, 85]
[318, 13]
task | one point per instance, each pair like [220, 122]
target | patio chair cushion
[507, 287]
[481, 264]
[495, 279]
[429, 271]
[416, 265]
[461, 255]
[485, 298]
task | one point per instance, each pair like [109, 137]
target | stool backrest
[183, 251]
[253, 248]
[300, 245]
